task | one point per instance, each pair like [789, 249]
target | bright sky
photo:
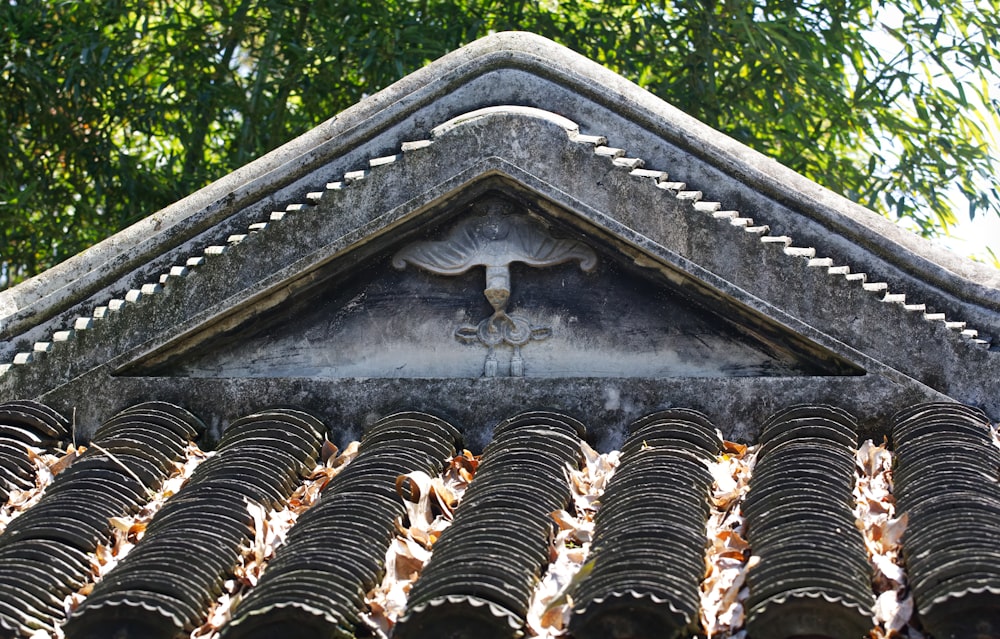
[968, 238]
[972, 238]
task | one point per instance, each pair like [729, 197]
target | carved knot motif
[495, 237]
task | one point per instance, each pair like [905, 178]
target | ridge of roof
[820, 276]
[636, 168]
[432, 93]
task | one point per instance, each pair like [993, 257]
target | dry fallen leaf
[47, 465]
[550, 607]
[270, 530]
[727, 557]
[875, 510]
[430, 503]
[734, 448]
[127, 531]
[328, 451]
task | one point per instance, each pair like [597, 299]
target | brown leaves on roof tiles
[128, 531]
[875, 510]
[430, 504]
[550, 608]
[270, 530]
[727, 557]
[48, 465]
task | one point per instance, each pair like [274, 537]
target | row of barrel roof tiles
[165, 586]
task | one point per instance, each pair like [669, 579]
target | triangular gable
[554, 303]
[686, 204]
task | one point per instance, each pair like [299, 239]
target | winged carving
[495, 240]
[495, 237]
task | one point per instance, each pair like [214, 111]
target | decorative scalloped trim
[514, 622]
[799, 593]
[635, 595]
[243, 617]
[111, 603]
[679, 190]
[993, 590]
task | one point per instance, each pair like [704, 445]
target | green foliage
[114, 109]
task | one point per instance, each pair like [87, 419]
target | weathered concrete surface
[612, 321]
[801, 298]
[737, 406]
[507, 68]
[785, 297]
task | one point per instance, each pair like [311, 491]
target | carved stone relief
[549, 308]
[495, 237]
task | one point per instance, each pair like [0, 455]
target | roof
[511, 228]
[143, 535]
